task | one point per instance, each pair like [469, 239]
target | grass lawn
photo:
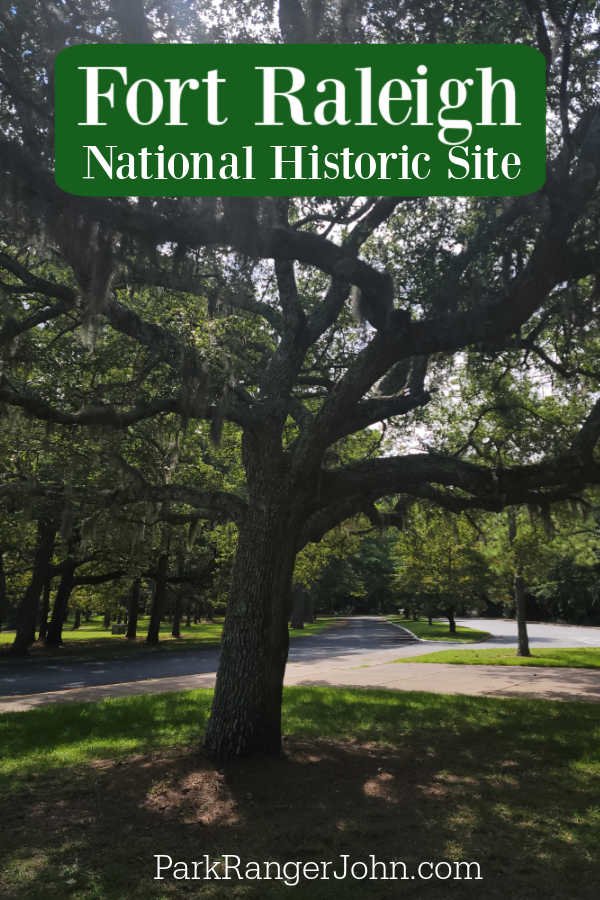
[90, 792]
[438, 631]
[92, 641]
[578, 658]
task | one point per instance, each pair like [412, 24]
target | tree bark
[3, 603]
[246, 711]
[521, 613]
[309, 608]
[61, 601]
[451, 620]
[298, 604]
[519, 589]
[45, 609]
[133, 607]
[77, 621]
[28, 608]
[176, 629]
[158, 600]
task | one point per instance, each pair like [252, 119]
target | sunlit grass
[511, 784]
[578, 658]
[94, 631]
[73, 733]
[92, 640]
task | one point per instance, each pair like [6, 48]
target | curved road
[358, 642]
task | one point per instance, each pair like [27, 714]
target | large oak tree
[435, 280]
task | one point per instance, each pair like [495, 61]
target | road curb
[449, 641]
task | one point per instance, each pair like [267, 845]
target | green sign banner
[172, 120]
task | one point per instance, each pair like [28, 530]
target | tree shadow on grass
[508, 784]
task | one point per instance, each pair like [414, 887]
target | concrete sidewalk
[443, 678]
[375, 672]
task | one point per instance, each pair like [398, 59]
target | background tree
[441, 563]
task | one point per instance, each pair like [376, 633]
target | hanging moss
[192, 534]
[66, 523]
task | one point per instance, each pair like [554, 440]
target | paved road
[357, 652]
[355, 636]
[504, 633]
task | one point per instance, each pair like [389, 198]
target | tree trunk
[246, 711]
[519, 588]
[3, 602]
[77, 622]
[309, 608]
[176, 629]
[133, 607]
[451, 620]
[158, 600]
[59, 611]
[107, 619]
[45, 609]
[298, 603]
[28, 608]
[521, 612]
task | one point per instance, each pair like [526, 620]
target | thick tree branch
[189, 283]
[12, 327]
[378, 409]
[206, 504]
[35, 284]
[108, 416]
[377, 215]
[491, 488]
[80, 580]
[589, 435]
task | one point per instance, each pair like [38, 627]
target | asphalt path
[363, 640]
[504, 632]
[352, 636]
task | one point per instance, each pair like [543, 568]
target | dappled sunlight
[54, 736]
[200, 797]
[381, 787]
[413, 776]
[349, 798]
